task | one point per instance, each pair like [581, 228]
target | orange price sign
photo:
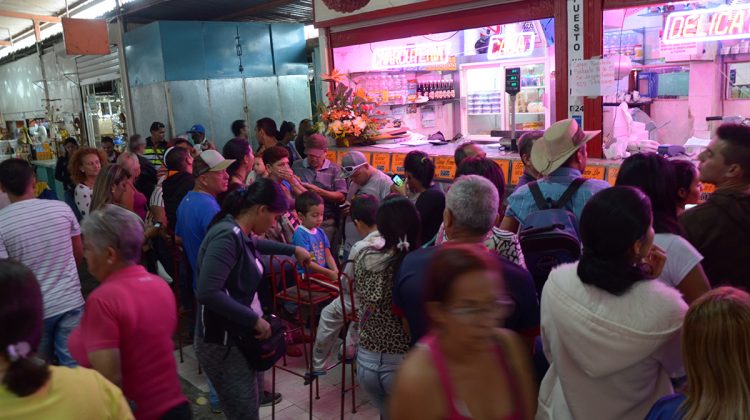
[706, 191]
[504, 167]
[331, 155]
[368, 156]
[382, 161]
[445, 167]
[612, 172]
[397, 163]
[594, 172]
[516, 172]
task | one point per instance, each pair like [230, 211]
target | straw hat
[560, 141]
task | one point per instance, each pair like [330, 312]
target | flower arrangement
[350, 115]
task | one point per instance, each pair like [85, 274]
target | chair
[346, 284]
[306, 293]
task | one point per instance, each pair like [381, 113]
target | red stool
[346, 284]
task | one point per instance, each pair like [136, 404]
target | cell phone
[157, 225]
[398, 180]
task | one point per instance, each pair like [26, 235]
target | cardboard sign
[397, 163]
[612, 172]
[594, 172]
[445, 167]
[504, 165]
[516, 172]
[382, 161]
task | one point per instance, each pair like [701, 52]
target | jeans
[376, 373]
[57, 329]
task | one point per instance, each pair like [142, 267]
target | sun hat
[210, 161]
[559, 142]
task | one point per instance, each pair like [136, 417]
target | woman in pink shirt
[128, 322]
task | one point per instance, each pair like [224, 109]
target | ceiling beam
[255, 9]
[36, 18]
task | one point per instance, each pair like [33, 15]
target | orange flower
[333, 76]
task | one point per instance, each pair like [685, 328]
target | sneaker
[310, 376]
[269, 399]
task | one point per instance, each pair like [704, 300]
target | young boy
[309, 206]
[363, 210]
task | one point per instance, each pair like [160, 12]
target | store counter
[392, 161]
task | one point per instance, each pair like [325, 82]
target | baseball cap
[210, 161]
[197, 128]
[316, 143]
[351, 162]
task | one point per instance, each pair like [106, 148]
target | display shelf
[485, 113]
[432, 102]
[531, 87]
[530, 113]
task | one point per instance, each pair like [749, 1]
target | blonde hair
[108, 177]
[716, 350]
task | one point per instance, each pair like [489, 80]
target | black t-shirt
[146, 182]
[409, 286]
[430, 205]
[174, 189]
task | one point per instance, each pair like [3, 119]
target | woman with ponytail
[610, 333]
[230, 271]
[384, 335]
[28, 387]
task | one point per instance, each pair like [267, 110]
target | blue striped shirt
[521, 203]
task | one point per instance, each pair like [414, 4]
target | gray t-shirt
[327, 178]
[379, 185]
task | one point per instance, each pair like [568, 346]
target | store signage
[707, 24]
[575, 53]
[520, 44]
[410, 55]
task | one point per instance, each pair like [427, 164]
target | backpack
[549, 236]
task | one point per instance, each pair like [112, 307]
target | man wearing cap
[365, 179]
[156, 145]
[560, 157]
[321, 176]
[197, 134]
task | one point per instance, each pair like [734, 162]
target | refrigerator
[485, 106]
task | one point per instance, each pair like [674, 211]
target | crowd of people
[646, 318]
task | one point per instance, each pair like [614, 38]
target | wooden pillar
[592, 47]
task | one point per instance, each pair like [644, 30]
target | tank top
[438, 360]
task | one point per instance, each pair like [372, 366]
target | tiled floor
[295, 403]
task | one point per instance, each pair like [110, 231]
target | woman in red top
[128, 322]
[465, 368]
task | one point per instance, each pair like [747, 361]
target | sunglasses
[349, 170]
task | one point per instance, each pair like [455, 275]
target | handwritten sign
[594, 172]
[594, 77]
[382, 161]
[612, 172]
[678, 52]
[331, 155]
[516, 172]
[397, 163]
[504, 165]
[445, 167]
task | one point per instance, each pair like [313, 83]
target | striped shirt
[37, 233]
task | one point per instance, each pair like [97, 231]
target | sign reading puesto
[731, 22]
[410, 55]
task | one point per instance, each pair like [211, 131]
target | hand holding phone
[398, 180]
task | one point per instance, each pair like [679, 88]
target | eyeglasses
[497, 309]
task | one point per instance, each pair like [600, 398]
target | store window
[454, 82]
[677, 66]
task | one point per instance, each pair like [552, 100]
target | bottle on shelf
[453, 90]
[420, 91]
[430, 90]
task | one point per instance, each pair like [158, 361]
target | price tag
[516, 172]
[504, 165]
[382, 161]
[612, 172]
[594, 172]
[331, 155]
[445, 167]
[397, 163]
[706, 191]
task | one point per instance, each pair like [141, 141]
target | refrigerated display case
[485, 106]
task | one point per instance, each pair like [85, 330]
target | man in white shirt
[45, 236]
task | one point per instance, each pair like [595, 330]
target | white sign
[410, 55]
[594, 77]
[678, 52]
[519, 44]
[575, 53]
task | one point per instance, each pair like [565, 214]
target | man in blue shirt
[471, 209]
[560, 156]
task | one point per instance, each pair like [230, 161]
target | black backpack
[549, 236]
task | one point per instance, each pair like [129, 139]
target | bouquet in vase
[350, 116]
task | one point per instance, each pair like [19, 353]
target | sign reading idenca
[725, 22]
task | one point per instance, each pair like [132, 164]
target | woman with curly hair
[84, 166]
